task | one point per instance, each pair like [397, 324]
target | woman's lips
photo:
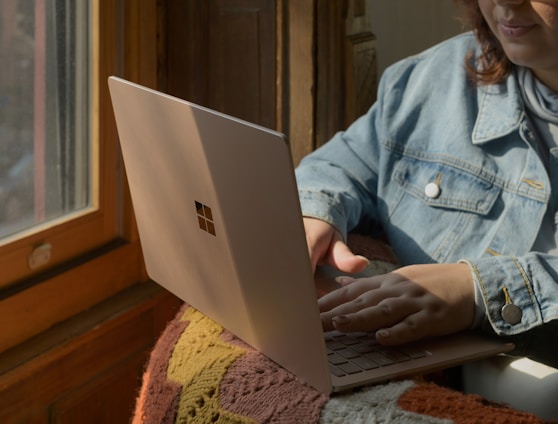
[513, 30]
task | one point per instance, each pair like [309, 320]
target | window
[45, 113]
[67, 238]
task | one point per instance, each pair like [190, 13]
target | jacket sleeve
[338, 182]
[520, 294]
[528, 287]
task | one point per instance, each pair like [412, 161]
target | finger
[342, 258]
[385, 314]
[319, 238]
[350, 290]
[340, 302]
[344, 280]
[317, 251]
[412, 328]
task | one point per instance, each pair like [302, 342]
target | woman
[454, 165]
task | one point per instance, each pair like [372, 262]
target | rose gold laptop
[220, 226]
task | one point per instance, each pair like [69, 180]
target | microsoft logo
[205, 218]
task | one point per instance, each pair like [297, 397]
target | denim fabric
[431, 124]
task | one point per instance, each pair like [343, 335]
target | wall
[405, 27]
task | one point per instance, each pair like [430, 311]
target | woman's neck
[548, 78]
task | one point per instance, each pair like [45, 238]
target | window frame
[97, 253]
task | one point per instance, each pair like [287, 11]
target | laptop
[220, 226]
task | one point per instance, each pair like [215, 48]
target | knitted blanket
[199, 372]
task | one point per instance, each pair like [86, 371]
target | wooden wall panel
[306, 68]
[221, 54]
[346, 62]
[301, 76]
[87, 369]
[108, 398]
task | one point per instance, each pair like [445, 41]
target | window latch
[40, 256]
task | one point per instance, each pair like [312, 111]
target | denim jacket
[447, 170]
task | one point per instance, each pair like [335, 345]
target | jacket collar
[501, 110]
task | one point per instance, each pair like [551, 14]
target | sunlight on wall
[404, 27]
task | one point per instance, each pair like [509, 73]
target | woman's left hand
[405, 305]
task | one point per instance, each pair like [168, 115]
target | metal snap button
[432, 190]
[511, 313]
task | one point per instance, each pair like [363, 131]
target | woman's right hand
[326, 247]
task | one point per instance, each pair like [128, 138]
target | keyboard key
[396, 356]
[414, 352]
[364, 363]
[349, 341]
[380, 359]
[360, 335]
[365, 347]
[348, 353]
[335, 334]
[335, 345]
[336, 371]
[350, 368]
[336, 359]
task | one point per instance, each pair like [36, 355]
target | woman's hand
[405, 305]
[326, 247]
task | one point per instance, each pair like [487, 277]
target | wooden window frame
[95, 254]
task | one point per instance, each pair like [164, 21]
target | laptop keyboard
[351, 353]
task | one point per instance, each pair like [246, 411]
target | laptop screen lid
[214, 198]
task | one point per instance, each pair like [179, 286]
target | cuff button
[511, 313]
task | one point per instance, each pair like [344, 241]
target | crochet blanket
[199, 372]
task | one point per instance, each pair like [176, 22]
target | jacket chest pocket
[439, 208]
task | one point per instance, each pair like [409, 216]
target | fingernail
[364, 258]
[344, 279]
[341, 320]
[384, 334]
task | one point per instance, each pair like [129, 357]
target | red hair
[492, 66]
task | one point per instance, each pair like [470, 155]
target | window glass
[45, 143]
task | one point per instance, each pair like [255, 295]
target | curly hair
[492, 66]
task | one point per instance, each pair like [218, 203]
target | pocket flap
[449, 187]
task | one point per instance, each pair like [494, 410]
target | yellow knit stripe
[199, 362]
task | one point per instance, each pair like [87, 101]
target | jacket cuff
[507, 294]
[315, 204]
